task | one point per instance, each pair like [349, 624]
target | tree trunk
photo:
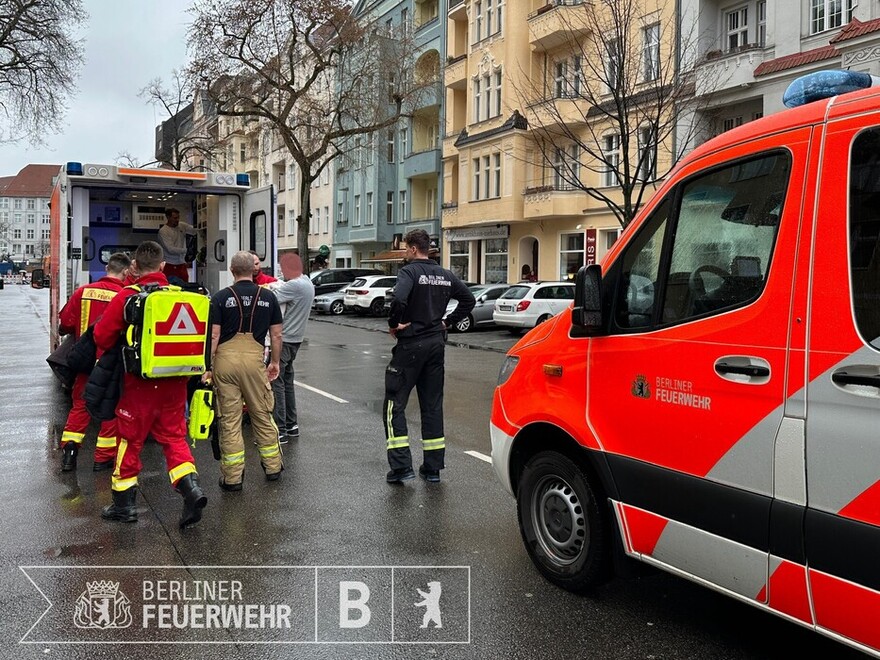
[302, 230]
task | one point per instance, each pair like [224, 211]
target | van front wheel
[561, 523]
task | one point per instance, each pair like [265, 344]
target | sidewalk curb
[450, 341]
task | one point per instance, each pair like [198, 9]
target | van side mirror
[587, 311]
[37, 278]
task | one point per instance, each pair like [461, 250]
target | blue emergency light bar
[242, 179]
[74, 169]
[824, 85]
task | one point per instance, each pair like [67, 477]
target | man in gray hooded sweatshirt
[296, 292]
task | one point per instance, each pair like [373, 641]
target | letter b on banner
[353, 609]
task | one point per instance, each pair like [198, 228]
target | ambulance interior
[119, 219]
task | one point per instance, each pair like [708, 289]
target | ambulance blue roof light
[74, 169]
[243, 179]
[824, 85]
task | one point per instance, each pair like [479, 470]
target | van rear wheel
[562, 525]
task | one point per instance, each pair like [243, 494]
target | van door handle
[753, 370]
[846, 378]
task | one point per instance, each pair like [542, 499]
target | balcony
[557, 23]
[552, 201]
[565, 111]
[457, 10]
[720, 71]
[455, 73]
[429, 95]
[422, 163]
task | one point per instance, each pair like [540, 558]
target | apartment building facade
[24, 213]
[751, 51]
[389, 182]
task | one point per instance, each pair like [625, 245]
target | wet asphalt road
[330, 509]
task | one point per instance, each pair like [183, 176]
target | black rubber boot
[123, 508]
[100, 466]
[194, 500]
[68, 456]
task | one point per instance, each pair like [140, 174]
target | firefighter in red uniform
[82, 310]
[260, 278]
[155, 407]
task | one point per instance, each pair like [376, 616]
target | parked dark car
[334, 279]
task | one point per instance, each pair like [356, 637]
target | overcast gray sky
[127, 44]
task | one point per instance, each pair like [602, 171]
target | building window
[611, 156]
[496, 107]
[569, 78]
[30, 234]
[762, 23]
[459, 259]
[567, 168]
[499, 17]
[340, 213]
[17, 205]
[389, 146]
[477, 97]
[281, 222]
[612, 65]
[487, 177]
[30, 205]
[478, 21]
[389, 208]
[487, 186]
[403, 217]
[647, 154]
[242, 153]
[731, 123]
[4, 203]
[357, 211]
[369, 217]
[487, 96]
[280, 177]
[29, 249]
[17, 218]
[389, 27]
[16, 233]
[829, 14]
[16, 248]
[495, 250]
[31, 218]
[404, 144]
[737, 28]
[571, 254]
[326, 228]
[651, 52]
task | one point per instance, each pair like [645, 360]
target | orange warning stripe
[166, 174]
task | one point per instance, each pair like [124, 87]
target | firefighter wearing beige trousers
[241, 317]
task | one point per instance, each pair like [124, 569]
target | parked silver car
[330, 303]
[481, 314]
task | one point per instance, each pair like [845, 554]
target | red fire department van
[711, 404]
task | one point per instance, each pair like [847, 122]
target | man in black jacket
[421, 294]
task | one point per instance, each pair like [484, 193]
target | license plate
[505, 308]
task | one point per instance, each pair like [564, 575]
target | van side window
[641, 266]
[725, 233]
[718, 255]
[864, 234]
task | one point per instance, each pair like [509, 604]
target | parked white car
[367, 294]
[528, 304]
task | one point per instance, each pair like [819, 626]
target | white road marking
[321, 392]
[477, 454]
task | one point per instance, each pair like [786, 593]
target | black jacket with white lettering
[421, 294]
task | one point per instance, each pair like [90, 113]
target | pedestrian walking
[241, 317]
[155, 407]
[296, 293]
[416, 320]
[82, 310]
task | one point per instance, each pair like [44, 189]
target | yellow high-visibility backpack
[168, 332]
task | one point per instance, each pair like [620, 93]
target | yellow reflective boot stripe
[233, 459]
[105, 441]
[435, 443]
[70, 436]
[398, 443]
[122, 484]
[181, 471]
[269, 452]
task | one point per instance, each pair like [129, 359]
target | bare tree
[182, 142]
[612, 100]
[127, 159]
[39, 61]
[316, 74]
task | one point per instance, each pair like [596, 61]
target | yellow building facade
[506, 204]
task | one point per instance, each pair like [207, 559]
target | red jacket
[262, 279]
[87, 304]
